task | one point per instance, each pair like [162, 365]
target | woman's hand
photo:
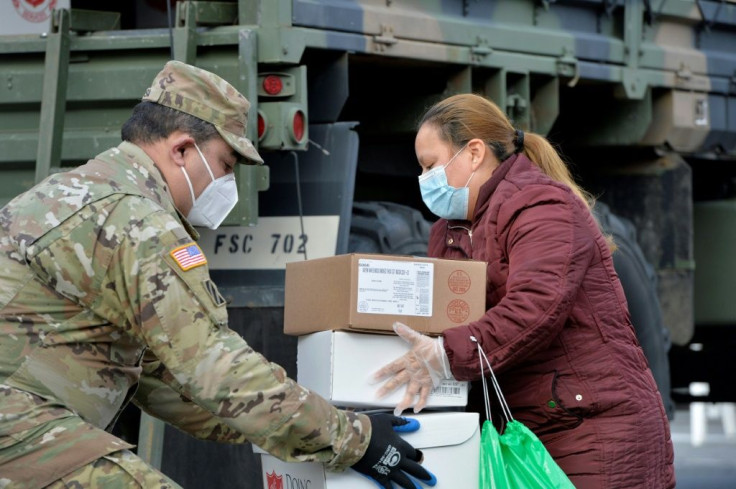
[422, 368]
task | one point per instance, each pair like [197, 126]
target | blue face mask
[442, 199]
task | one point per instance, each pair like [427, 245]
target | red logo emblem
[34, 10]
[274, 481]
[458, 311]
[459, 282]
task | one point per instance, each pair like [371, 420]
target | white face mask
[215, 202]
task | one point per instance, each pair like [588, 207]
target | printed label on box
[450, 388]
[395, 287]
[283, 475]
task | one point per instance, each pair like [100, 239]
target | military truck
[639, 95]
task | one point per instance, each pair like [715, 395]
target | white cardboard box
[450, 442]
[337, 365]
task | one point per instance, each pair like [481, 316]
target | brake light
[297, 126]
[273, 85]
[261, 125]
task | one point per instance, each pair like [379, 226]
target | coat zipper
[470, 232]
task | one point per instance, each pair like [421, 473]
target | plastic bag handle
[496, 387]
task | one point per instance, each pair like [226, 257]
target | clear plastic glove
[422, 368]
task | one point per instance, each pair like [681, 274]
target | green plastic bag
[516, 459]
[492, 469]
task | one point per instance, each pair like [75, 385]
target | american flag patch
[188, 256]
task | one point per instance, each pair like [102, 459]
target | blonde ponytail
[541, 152]
[463, 117]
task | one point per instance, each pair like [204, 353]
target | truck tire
[388, 228]
[639, 282]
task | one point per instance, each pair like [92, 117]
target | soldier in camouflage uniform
[105, 297]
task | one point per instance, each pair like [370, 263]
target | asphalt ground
[711, 465]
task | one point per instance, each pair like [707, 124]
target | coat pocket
[550, 407]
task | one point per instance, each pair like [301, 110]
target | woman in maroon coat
[557, 329]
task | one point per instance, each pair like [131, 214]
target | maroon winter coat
[557, 331]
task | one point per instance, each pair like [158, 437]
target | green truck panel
[639, 95]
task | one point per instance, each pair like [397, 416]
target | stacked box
[368, 293]
[343, 308]
[338, 365]
[450, 442]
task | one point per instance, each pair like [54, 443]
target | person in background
[557, 331]
[105, 297]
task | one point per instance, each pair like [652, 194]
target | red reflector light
[261, 125]
[273, 85]
[298, 126]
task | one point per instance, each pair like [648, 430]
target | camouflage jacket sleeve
[170, 302]
[159, 395]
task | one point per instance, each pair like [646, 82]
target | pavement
[711, 465]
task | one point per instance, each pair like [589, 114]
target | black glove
[389, 458]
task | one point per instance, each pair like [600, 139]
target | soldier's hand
[389, 459]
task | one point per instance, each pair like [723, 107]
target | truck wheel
[388, 228]
[639, 282]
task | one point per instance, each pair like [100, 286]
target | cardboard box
[450, 443]
[362, 292]
[338, 364]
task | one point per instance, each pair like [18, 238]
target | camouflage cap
[208, 97]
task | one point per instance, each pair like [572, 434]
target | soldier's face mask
[442, 199]
[216, 200]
